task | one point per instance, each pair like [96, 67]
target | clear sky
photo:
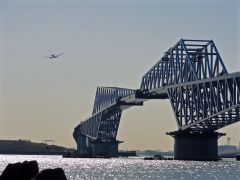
[105, 43]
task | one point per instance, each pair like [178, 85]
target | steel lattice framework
[107, 111]
[206, 105]
[188, 60]
[204, 97]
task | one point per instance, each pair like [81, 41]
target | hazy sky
[105, 43]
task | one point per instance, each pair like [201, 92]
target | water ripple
[125, 168]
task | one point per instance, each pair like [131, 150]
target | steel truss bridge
[192, 75]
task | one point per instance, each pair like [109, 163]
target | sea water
[132, 168]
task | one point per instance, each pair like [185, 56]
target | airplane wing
[46, 57]
[59, 54]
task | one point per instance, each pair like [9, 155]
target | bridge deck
[217, 119]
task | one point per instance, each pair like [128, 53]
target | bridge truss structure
[192, 75]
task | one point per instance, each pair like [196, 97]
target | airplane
[53, 56]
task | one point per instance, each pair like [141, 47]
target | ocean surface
[132, 168]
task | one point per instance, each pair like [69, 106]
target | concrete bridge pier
[196, 145]
[87, 147]
[82, 146]
[105, 148]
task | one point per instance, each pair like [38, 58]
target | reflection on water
[120, 168]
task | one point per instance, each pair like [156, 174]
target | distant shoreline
[23, 147]
[31, 153]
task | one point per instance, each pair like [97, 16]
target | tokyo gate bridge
[204, 97]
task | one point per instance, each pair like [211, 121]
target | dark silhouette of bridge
[203, 95]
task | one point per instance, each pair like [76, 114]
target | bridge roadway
[204, 98]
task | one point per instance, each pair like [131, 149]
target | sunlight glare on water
[135, 168]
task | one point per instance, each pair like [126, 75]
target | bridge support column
[196, 146]
[105, 149]
[82, 149]
[87, 147]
